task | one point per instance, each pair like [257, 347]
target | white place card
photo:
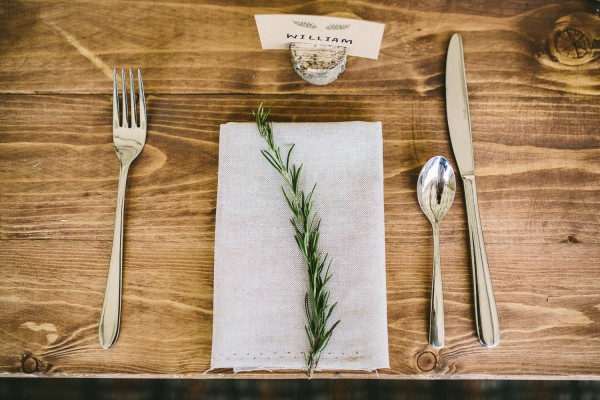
[361, 38]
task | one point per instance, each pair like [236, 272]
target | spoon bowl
[435, 190]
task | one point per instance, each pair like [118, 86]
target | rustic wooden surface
[537, 147]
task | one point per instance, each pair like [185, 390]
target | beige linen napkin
[260, 277]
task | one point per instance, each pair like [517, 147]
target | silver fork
[128, 139]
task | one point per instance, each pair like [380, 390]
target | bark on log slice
[316, 63]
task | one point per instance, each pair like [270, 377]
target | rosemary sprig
[306, 232]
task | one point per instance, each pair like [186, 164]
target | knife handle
[486, 315]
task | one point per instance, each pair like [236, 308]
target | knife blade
[459, 125]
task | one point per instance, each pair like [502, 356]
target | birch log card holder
[318, 45]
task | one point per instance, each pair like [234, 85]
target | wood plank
[52, 292]
[538, 191]
[185, 47]
[55, 315]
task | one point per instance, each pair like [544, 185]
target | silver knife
[459, 124]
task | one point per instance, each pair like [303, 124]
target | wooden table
[537, 147]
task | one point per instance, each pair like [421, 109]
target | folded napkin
[260, 277]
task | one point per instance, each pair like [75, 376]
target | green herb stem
[306, 233]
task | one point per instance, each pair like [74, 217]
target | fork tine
[142, 101]
[132, 94]
[125, 123]
[116, 123]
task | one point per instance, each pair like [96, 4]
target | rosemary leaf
[306, 234]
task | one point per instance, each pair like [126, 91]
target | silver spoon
[435, 191]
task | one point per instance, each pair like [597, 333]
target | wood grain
[535, 118]
[213, 47]
[538, 190]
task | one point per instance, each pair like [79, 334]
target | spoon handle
[486, 315]
[436, 315]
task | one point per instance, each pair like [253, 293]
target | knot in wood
[574, 39]
[426, 361]
[572, 43]
[29, 365]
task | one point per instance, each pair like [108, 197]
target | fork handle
[486, 315]
[111, 310]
